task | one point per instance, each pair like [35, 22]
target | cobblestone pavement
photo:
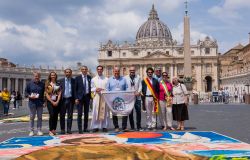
[228, 119]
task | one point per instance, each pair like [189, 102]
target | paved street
[231, 120]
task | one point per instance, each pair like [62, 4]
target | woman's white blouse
[179, 93]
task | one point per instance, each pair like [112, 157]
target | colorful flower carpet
[127, 145]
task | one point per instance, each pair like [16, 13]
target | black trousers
[124, 121]
[53, 115]
[138, 115]
[67, 106]
[83, 106]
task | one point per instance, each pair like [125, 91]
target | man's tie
[84, 85]
[67, 88]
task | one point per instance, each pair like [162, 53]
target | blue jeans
[6, 106]
[35, 109]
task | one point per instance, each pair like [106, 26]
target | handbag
[187, 97]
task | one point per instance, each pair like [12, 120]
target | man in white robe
[100, 112]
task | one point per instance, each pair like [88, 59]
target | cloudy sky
[63, 32]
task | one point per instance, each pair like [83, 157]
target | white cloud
[53, 42]
[70, 39]
[230, 10]
[195, 34]
[122, 25]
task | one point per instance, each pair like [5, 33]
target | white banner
[120, 103]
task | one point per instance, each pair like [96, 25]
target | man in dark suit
[67, 101]
[150, 97]
[82, 97]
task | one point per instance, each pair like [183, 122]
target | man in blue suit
[82, 98]
[67, 101]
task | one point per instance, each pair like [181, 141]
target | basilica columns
[16, 84]
[171, 71]
[24, 86]
[8, 83]
[1, 83]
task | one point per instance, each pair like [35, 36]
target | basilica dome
[154, 29]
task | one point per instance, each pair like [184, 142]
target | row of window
[109, 53]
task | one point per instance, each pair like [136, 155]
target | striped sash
[156, 101]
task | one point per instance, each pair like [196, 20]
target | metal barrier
[209, 97]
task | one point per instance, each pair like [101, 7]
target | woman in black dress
[180, 103]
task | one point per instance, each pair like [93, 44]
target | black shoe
[85, 130]
[105, 130]
[125, 130]
[95, 130]
[69, 132]
[132, 129]
[62, 131]
[80, 132]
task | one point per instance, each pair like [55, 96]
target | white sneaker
[31, 133]
[39, 133]
[51, 133]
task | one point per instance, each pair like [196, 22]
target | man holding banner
[118, 83]
[134, 84]
[150, 94]
[100, 113]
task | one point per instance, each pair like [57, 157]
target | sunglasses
[164, 75]
[150, 72]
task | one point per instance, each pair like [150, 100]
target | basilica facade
[155, 47]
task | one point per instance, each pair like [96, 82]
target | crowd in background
[7, 98]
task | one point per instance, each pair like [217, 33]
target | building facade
[235, 69]
[15, 78]
[155, 47]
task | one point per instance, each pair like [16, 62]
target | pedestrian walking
[6, 101]
[18, 99]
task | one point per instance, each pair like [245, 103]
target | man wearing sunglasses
[150, 94]
[134, 84]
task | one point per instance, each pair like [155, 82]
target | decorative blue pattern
[21, 142]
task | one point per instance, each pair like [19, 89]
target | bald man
[118, 83]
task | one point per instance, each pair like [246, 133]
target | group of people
[226, 96]
[155, 94]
